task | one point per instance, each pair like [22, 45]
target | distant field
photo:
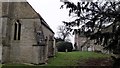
[64, 59]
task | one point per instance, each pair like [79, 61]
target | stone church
[24, 35]
[84, 44]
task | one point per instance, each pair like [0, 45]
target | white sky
[51, 12]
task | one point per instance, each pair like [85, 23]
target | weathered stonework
[20, 34]
[84, 44]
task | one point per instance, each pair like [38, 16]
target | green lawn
[72, 58]
[0, 65]
[67, 59]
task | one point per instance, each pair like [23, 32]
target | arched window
[17, 30]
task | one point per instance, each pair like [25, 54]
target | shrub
[97, 51]
[63, 46]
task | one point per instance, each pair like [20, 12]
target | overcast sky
[51, 12]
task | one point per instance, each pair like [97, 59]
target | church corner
[24, 35]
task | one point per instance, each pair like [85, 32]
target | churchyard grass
[72, 58]
[64, 59]
[0, 65]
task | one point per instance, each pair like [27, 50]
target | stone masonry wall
[21, 50]
[49, 47]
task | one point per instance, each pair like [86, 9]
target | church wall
[5, 47]
[4, 27]
[0, 32]
[24, 10]
[79, 40]
[39, 55]
[87, 45]
[0, 9]
[49, 47]
[24, 48]
[18, 10]
[21, 50]
[0, 40]
[76, 42]
[6, 54]
[5, 8]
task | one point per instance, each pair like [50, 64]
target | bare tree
[63, 32]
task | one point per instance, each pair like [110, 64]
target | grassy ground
[73, 58]
[65, 59]
[0, 65]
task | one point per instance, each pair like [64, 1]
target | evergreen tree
[91, 18]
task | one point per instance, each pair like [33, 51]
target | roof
[45, 24]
